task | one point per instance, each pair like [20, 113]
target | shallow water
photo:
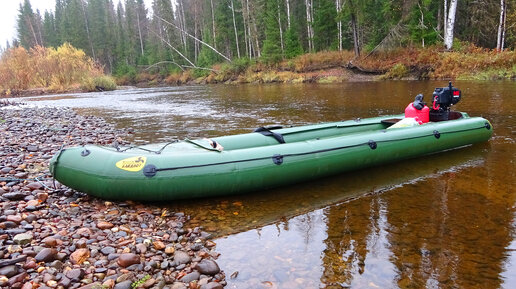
[441, 221]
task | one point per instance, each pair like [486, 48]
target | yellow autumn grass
[62, 69]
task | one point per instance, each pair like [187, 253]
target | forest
[127, 37]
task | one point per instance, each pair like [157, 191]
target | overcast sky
[9, 13]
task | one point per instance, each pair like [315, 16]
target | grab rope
[144, 149]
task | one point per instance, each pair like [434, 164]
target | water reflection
[441, 221]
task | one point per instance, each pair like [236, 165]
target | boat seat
[390, 121]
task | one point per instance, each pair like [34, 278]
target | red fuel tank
[423, 115]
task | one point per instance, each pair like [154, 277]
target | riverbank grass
[49, 69]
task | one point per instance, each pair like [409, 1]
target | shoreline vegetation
[43, 70]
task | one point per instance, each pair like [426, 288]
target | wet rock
[128, 259]
[57, 265]
[191, 277]
[107, 250]
[14, 218]
[22, 239]
[79, 256]
[34, 186]
[181, 257]
[46, 255]
[124, 277]
[32, 148]
[50, 241]
[9, 271]
[75, 274]
[15, 196]
[170, 250]
[158, 245]
[104, 225]
[65, 282]
[212, 285]
[123, 285]
[208, 267]
[90, 286]
[17, 279]
[141, 248]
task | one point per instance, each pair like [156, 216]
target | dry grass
[60, 69]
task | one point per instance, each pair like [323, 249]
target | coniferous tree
[271, 45]
[28, 33]
[325, 25]
[292, 45]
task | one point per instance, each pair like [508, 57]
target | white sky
[9, 14]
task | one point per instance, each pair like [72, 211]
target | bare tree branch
[195, 38]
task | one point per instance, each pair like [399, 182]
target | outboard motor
[443, 98]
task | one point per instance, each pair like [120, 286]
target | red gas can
[423, 114]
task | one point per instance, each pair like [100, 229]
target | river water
[442, 221]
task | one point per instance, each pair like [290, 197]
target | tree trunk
[354, 27]
[244, 22]
[213, 24]
[139, 28]
[280, 31]
[445, 18]
[309, 28]
[501, 26]
[450, 23]
[287, 2]
[234, 26]
[87, 29]
[338, 6]
[438, 28]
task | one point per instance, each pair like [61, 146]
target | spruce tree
[325, 25]
[292, 45]
[271, 52]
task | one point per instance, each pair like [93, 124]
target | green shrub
[398, 71]
[98, 83]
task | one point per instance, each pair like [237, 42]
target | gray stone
[124, 285]
[178, 285]
[46, 255]
[22, 239]
[191, 277]
[9, 271]
[208, 267]
[16, 196]
[108, 250]
[181, 257]
[212, 285]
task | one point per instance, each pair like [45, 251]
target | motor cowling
[443, 99]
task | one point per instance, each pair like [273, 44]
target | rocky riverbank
[54, 237]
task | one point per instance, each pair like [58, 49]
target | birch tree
[338, 6]
[309, 24]
[501, 26]
[235, 28]
[450, 24]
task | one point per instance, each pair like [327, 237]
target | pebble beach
[54, 237]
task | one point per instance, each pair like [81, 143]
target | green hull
[254, 161]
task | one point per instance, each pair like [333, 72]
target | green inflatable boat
[266, 158]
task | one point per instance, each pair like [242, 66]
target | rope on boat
[144, 149]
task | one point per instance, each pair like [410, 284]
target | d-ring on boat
[269, 156]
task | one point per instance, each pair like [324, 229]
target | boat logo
[133, 164]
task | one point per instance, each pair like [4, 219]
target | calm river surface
[441, 221]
